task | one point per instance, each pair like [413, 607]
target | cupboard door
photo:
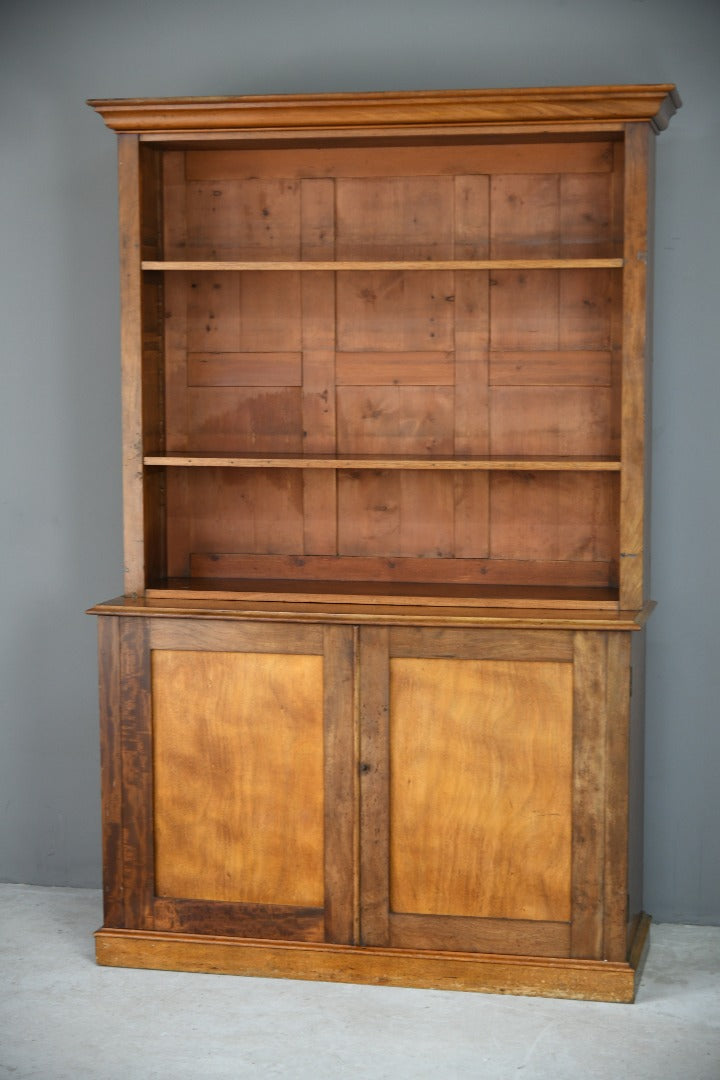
[236, 744]
[483, 788]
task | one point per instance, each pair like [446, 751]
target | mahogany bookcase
[372, 701]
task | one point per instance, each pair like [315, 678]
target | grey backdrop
[60, 397]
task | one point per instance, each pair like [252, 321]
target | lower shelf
[588, 980]
[387, 592]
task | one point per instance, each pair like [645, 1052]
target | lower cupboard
[421, 805]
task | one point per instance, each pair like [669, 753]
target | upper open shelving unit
[389, 346]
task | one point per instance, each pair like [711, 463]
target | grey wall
[59, 430]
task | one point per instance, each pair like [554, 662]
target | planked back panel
[411, 363]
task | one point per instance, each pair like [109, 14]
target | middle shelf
[384, 264]
[491, 463]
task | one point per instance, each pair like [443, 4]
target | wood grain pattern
[238, 818]
[529, 106]
[341, 785]
[192, 635]
[395, 217]
[373, 766]
[551, 368]
[617, 754]
[447, 933]
[111, 770]
[478, 644]
[589, 780]
[137, 784]
[544, 516]
[498, 607]
[480, 812]
[129, 170]
[381, 580]
[446, 157]
[533, 976]
[268, 921]
[639, 155]
[636, 781]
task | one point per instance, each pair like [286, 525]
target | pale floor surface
[62, 1017]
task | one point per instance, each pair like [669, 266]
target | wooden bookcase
[367, 709]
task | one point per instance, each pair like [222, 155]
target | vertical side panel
[136, 749]
[374, 786]
[617, 793]
[638, 152]
[340, 785]
[636, 807]
[589, 750]
[111, 770]
[131, 354]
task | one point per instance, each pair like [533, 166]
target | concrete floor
[62, 1017]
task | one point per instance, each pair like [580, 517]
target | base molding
[588, 980]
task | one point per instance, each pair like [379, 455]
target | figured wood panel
[480, 788]
[238, 777]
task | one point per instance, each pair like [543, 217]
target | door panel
[236, 745]
[485, 783]
[480, 805]
[238, 784]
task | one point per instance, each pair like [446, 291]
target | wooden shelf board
[385, 264]
[385, 461]
[388, 593]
